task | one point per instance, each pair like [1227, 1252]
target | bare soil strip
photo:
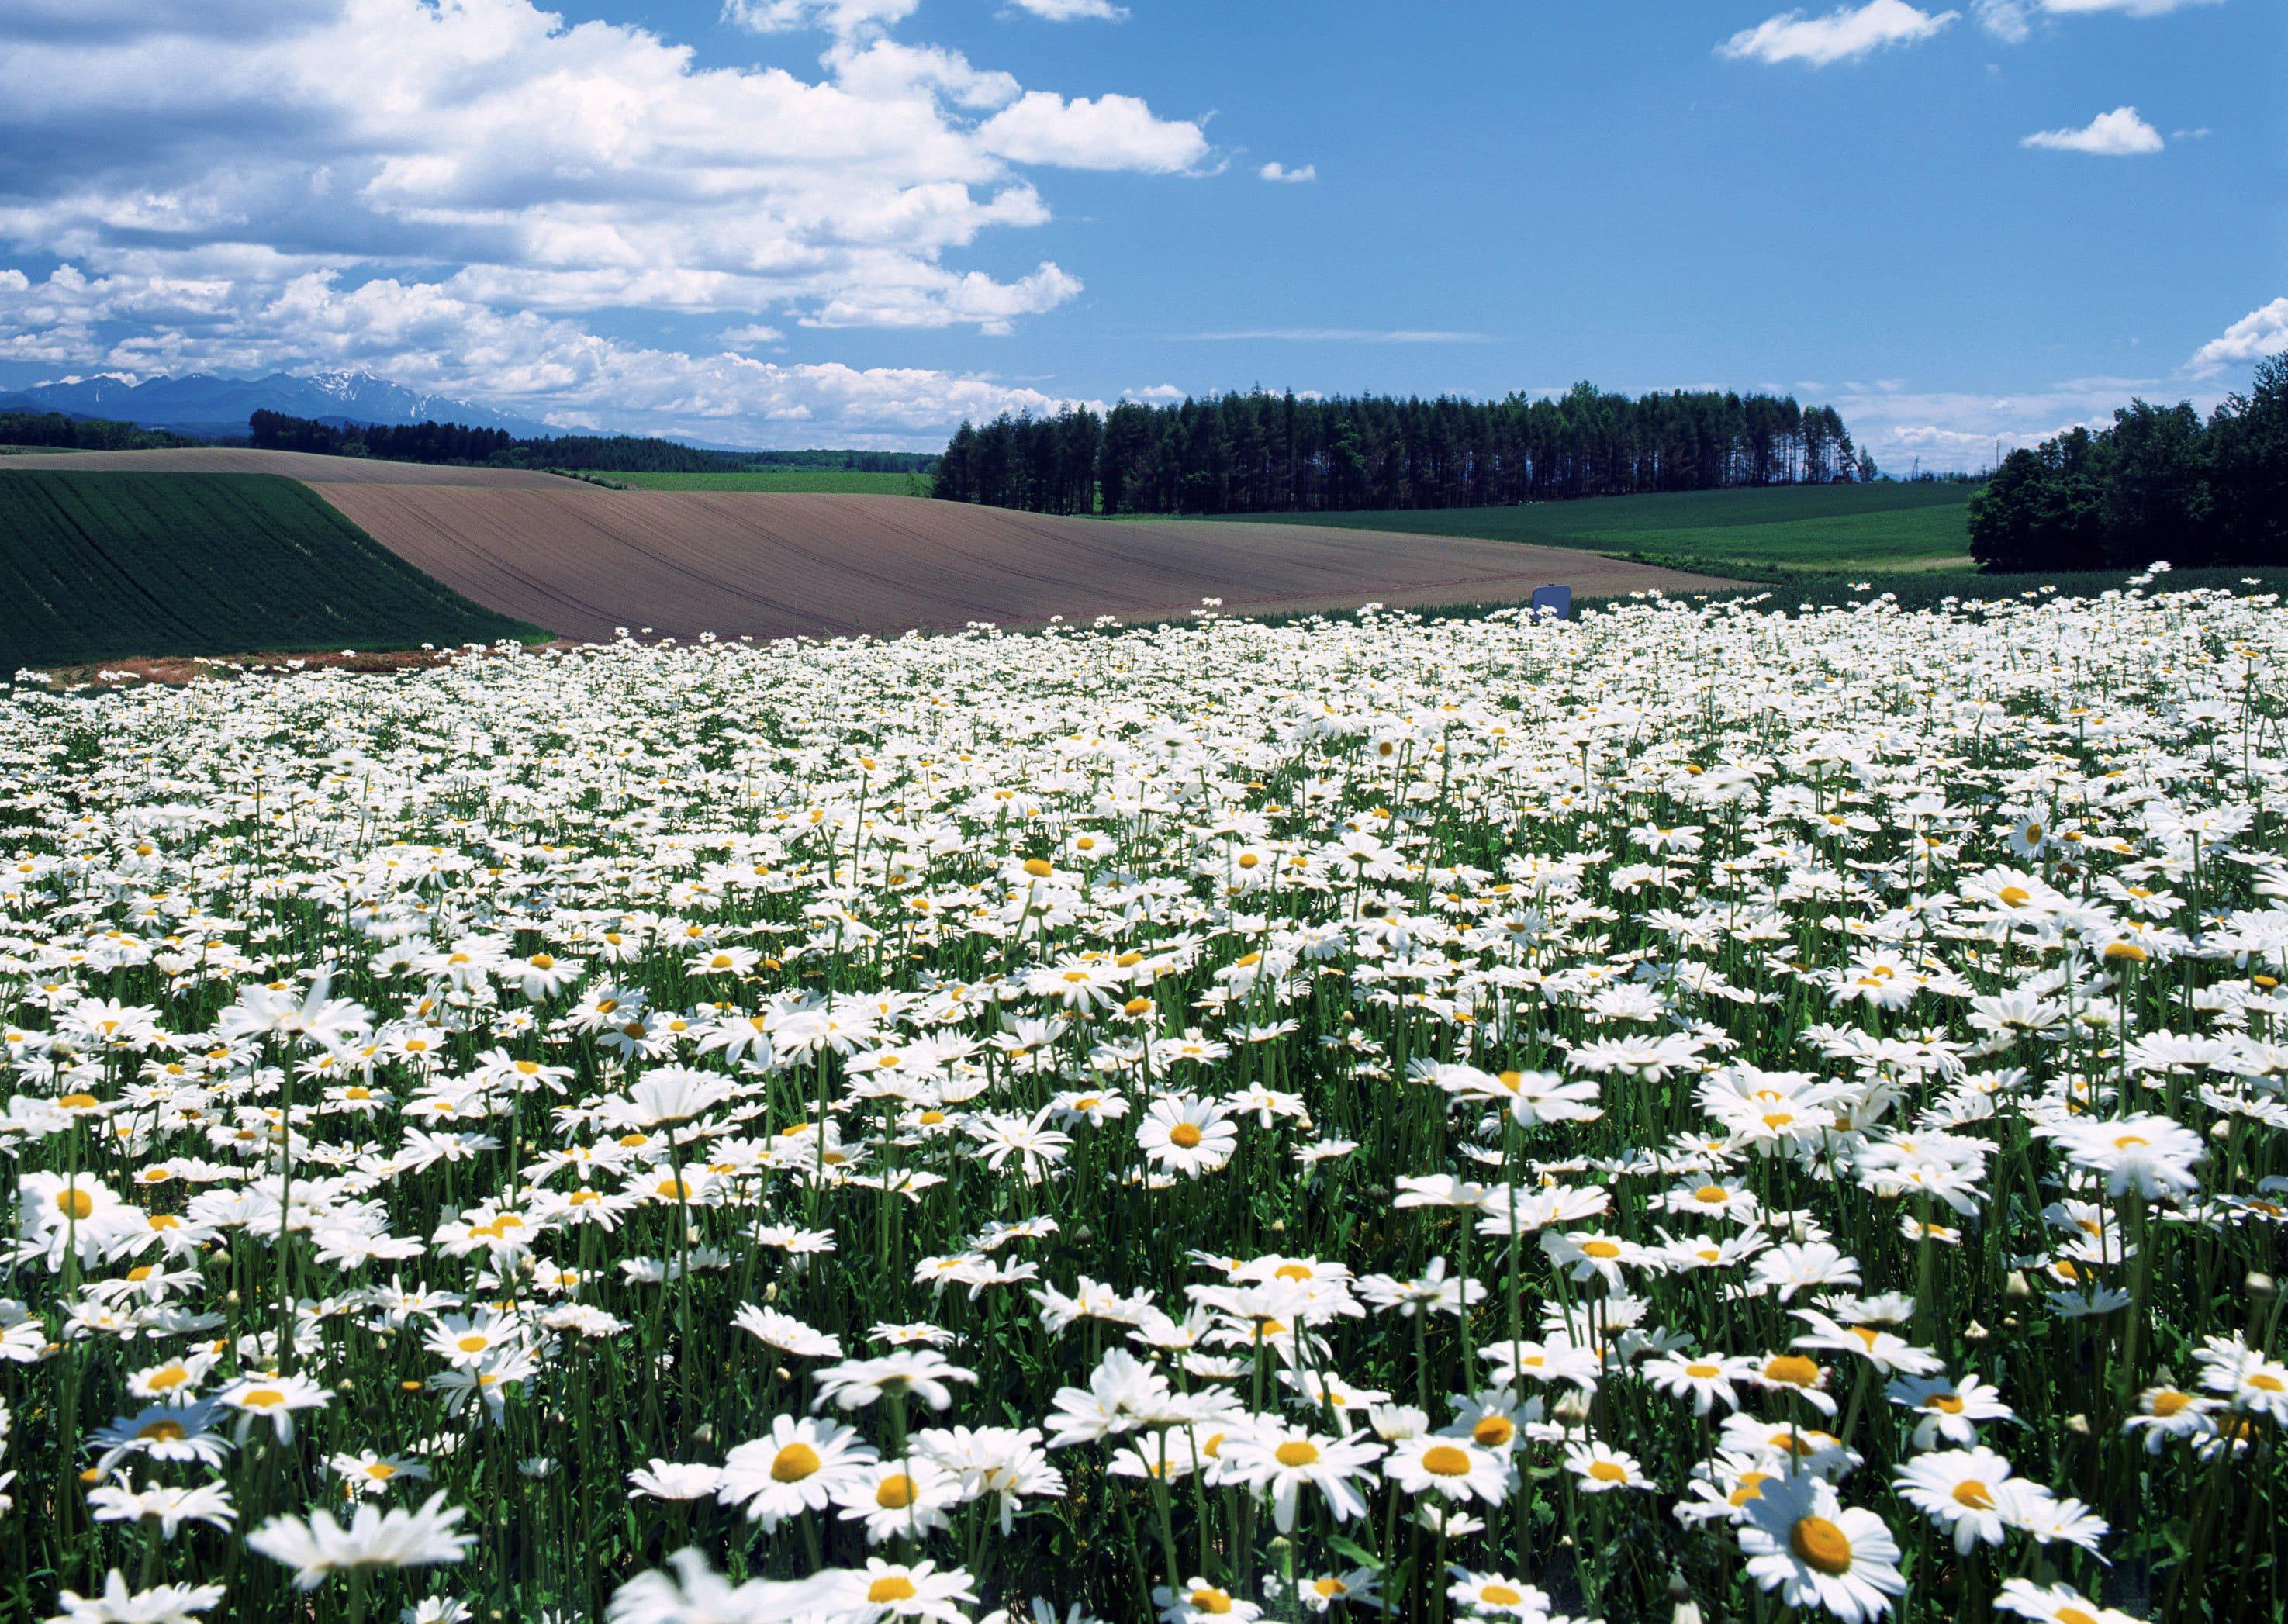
[305, 465]
[586, 561]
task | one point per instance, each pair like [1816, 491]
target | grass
[827, 481]
[104, 566]
[1766, 534]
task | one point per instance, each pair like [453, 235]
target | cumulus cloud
[192, 161]
[1958, 429]
[1073, 11]
[1156, 394]
[1281, 172]
[1110, 132]
[1840, 35]
[834, 16]
[2261, 332]
[2118, 134]
[550, 368]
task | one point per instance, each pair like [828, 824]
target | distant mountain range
[218, 406]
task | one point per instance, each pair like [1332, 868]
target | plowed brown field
[304, 465]
[586, 561]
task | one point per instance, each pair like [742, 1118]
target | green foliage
[106, 565]
[1763, 534]
[1259, 453]
[402, 442]
[455, 442]
[55, 431]
[833, 481]
[2158, 484]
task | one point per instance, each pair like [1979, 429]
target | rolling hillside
[586, 560]
[1775, 531]
[107, 565]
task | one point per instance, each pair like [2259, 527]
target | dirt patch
[587, 562]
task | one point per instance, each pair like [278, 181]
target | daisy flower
[1803, 1541]
[1452, 1467]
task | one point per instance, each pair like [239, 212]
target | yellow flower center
[793, 1463]
[1600, 1249]
[1209, 1600]
[1296, 1452]
[1607, 1471]
[1492, 1432]
[1819, 1544]
[896, 1492]
[74, 1204]
[473, 1344]
[1445, 1461]
[1701, 1373]
[162, 1432]
[263, 1398]
[1793, 1369]
[1184, 1134]
[1974, 1494]
[1499, 1596]
[891, 1588]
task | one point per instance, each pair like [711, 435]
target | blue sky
[794, 222]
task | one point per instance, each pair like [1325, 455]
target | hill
[1769, 532]
[304, 465]
[817, 481]
[105, 565]
[587, 560]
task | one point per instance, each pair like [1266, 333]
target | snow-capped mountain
[201, 403]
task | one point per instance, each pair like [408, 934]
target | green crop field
[1775, 532]
[829, 481]
[107, 566]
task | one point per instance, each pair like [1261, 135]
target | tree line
[68, 433]
[2159, 484]
[1261, 453]
[457, 442]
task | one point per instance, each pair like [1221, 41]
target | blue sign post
[1552, 602]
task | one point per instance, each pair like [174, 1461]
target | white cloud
[1960, 429]
[1344, 335]
[424, 335]
[2118, 134]
[2006, 19]
[754, 336]
[1072, 11]
[1281, 172]
[449, 169]
[834, 16]
[2261, 332]
[1110, 132]
[1156, 394]
[565, 167]
[2133, 8]
[1846, 33]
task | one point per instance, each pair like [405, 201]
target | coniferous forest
[2160, 483]
[1261, 453]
